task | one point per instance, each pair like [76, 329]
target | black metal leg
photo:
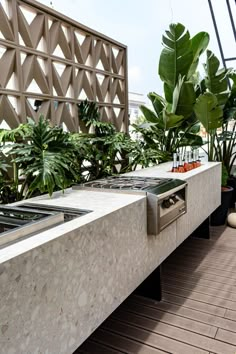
[203, 230]
[151, 286]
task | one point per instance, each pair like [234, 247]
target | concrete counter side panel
[203, 197]
[54, 296]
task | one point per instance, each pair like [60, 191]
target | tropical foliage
[188, 101]
[43, 161]
[104, 150]
[40, 158]
[216, 110]
[171, 124]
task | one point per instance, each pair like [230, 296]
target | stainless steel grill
[166, 197]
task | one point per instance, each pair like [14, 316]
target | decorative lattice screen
[48, 63]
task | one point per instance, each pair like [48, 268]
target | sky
[140, 25]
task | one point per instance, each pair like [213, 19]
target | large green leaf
[158, 102]
[18, 134]
[48, 172]
[172, 120]
[177, 56]
[216, 79]
[168, 91]
[199, 44]
[148, 114]
[207, 110]
[230, 106]
[183, 98]
[191, 140]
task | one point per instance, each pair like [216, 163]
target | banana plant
[215, 108]
[164, 131]
[209, 105]
[171, 124]
[210, 114]
[216, 80]
[179, 58]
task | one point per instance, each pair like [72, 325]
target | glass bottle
[198, 159]
[180, 167]
[194, 159]
[190, 161]
[186, 162]
[174, 167]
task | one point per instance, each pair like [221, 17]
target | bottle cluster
[188, 162]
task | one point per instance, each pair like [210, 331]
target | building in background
[135, 101]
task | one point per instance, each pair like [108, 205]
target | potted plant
[218, 217]
[214, 109]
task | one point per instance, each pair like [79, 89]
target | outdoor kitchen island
[58, 286]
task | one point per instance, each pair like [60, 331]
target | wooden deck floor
[198, 310]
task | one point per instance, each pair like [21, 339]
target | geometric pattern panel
[49, 63]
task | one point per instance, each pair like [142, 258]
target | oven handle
[174, 190]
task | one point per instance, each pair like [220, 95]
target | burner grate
[127, 183]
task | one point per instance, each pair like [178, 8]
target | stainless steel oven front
[166, 197]
[165, 208]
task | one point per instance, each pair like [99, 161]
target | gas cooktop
[166, 197]
[152, 185]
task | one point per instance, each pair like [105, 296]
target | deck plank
[172, 319]
[181, 311]
[204, 298]
[120, 341]
[203, 289]
[191, 268]
[178, 334]
[89, 345]
[193, 304]
[226, 336]
[153, 339]
[201, 278]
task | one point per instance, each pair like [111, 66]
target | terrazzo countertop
[164, 170]
[100, 204]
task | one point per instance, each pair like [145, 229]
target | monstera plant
[42, 158]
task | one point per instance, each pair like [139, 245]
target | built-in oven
[166, 197]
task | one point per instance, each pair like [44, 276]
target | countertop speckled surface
[164, 170]
[58, 286]
[100, 203]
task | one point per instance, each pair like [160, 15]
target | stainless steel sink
[69, 213]
[27, 219]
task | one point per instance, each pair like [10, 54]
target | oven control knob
[174, 198]
[166, 203]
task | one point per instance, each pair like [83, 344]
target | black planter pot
[218, 217]
[232, 183]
